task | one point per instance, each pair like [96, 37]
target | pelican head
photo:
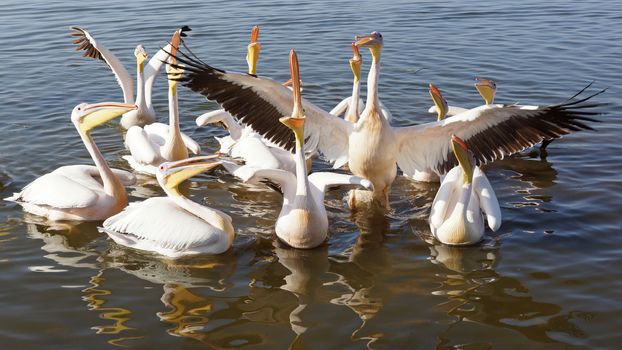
[141, 57]
[172, 70]
[439, 101]
[171, 174]
[465, 158]
[373, 42]
[87, 116]
[252, 51]
[355, 62]
[296, 121]
[486, 88]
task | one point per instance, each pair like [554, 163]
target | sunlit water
[549, 279]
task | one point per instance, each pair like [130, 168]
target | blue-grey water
[550, 278]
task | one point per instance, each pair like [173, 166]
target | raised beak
[439, 101]
[367, 40]
[355, 62]
[174, 173]
[254, 34]
[294, 71]
[99, 113]
[252, 51]
[461, 151]
[486, 88]
[174, 46]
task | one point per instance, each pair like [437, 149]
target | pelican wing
[260, 102]
[341, 107]
[142, 148]
[487, 199]
[91, 171]
[93, 49]
[451, 110]
[325, 180]
[491, 132]
[446, 197]
[58, 191]
[285, 179]
[162, 223]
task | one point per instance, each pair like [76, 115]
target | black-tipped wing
[93, 49]
[260, 102]
[491, 132]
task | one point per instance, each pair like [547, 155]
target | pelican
[485, 87]
[156, 143]
[372, 147]
[456, 217]
[81, 192]
[441, 108]
[349, 105]
[173, 226]
[302, 222]
[145, 76]
[242, 142]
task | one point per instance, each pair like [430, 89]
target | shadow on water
[476, 292]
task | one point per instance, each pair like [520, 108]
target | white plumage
[457, 215]
[160, 225]
[173, 226]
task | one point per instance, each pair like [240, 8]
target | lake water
[550, 278]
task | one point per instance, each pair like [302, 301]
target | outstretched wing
[260, 102]
[93, 49]
[491, 132]
[155, 64]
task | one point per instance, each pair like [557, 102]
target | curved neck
[373, 102]
[212, 216]
[302, 182]
[140, 88]
[112, 185]
[174, 147]
[235, 130]
[352, 114]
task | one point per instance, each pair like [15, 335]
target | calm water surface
[549, 279]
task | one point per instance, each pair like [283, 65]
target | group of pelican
[273, 136]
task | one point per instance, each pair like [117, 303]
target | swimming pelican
[372, 146]
[302, 222]
[485, 87]
[243, 142]
[156, 143]
[145, 75]
[173, 226]
[456, 217]
[81, 192]
[348, 105]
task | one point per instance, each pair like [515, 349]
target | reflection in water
[182, 279]
[370, 260]
[475, 292]
[96, 296]
[538, 173]
[307, 268]
[66, 243]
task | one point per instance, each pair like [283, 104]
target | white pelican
[242, 142]
[372, 146]
[302, 222]
[456, 217]
[145, 75]
[173, 226]
[441, 108]
[486, 88]
[348, 105]
[81, 192]
[156, 143]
